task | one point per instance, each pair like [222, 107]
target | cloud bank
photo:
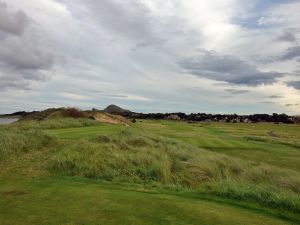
[171, 55]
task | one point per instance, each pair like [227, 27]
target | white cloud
[98, 52]
[73, 96]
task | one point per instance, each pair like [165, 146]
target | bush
[74, 113]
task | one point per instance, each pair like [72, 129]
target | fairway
[70, 201]
[247, 141]
[148, 112]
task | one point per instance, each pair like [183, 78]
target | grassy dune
[229, 162]
[88, 132]
[133, 156]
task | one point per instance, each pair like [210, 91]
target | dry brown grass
[108, 118]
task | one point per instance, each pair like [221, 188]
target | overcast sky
[220, 56]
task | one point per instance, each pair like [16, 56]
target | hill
[114, 109]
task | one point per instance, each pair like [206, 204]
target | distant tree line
[233, 118]
[193, 117]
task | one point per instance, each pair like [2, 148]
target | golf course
[148, 112]
[80, 171]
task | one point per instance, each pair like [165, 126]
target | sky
[221, 56]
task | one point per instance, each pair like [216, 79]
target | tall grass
[54, 123]
[14, 141]
[30, 135]
[134, 157]
[267, 194]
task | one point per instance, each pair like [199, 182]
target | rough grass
[54, 123]
[131, 156]
[266, 194]
[32, 135]
[15, 141]
[90, 132]
[134, 156]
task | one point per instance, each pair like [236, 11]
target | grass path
[57, 201]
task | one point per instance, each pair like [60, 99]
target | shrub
[74, 113]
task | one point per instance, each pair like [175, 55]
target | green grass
[86, 132]
[233, 139]
[53, 123]
[132, 156]
[70, 201]
[157, 172]
[15, 141]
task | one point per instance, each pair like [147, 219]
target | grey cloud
[227, 68]
[92, 91]
[24, 57]
[22, 54]
[23, 60]
[275, 96]
[13, 79]
[98, 38]
[12, 22]
[125, 19]
[289, 105]
[291, 53]
[140, 45]
[8, 82]
[226, 96]
[287, 36]
[117, 96]
[295, 84]
[236, 91]
[132, 22]
[267, 102]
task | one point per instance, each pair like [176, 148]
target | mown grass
[57, 201]
[145, 156]
[245, 141]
